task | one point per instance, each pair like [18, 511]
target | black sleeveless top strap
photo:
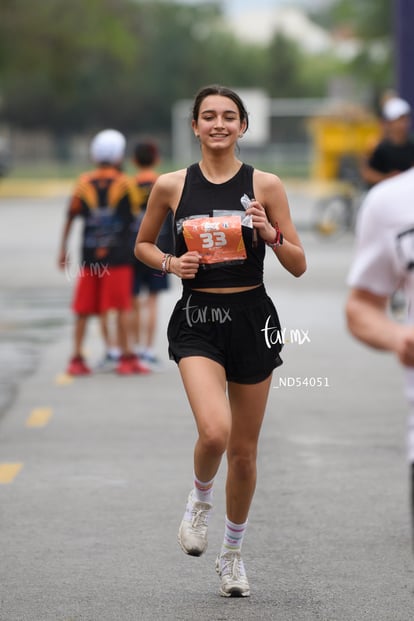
[200, 197]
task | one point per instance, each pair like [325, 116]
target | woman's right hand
[186, 266]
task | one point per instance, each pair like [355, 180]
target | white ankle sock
[233, 536]
[203, 490]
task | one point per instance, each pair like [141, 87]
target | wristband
[278, 239]
[165, 265]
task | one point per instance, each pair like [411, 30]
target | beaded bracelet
[165, 265]
[278, 239]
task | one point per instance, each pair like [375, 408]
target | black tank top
[200, 197]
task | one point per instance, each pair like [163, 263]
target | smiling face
[218, 124]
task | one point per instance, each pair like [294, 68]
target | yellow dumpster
[336, 138]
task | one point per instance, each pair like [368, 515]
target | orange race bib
[217, 239]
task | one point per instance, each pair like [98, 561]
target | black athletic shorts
[240, 331]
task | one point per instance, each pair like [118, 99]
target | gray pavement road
[88, 525]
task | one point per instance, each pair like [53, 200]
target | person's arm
[164, 196]
[74, 209]
[271, 208]
[370, 175]
[369, 322]
[373, 176]
[376, 166]
[63, 256]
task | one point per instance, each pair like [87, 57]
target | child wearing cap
[106, 201]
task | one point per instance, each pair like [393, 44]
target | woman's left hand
[261, 221]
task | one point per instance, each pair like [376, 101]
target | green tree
[283, 71]
[53, 49]
[81, 65]
[371, 21]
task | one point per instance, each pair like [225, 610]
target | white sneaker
[154, 363]
[192, 534]
[234, 582]
[107, 364]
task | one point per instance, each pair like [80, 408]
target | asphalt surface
[96, 471]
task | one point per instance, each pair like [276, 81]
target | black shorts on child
[240, 331]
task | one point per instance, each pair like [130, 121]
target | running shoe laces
[234, 582]
[192, 534]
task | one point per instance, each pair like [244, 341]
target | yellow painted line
[39, 417]
[63, 379]
[34, 187]
[8, 471]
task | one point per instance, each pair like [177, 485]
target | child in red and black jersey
[107, 202]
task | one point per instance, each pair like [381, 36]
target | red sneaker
[77, 366]
[138, 366]
[129, 364]
[124, 366]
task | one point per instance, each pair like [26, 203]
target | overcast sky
[237, 5]
[232, 6]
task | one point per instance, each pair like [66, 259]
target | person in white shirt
[383, 261]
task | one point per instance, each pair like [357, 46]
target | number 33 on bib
[217, 239]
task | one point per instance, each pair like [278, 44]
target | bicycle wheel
[333, 216]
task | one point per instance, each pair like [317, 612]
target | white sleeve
[375, 266]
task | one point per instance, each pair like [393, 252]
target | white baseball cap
[108, 146]
[395, 108]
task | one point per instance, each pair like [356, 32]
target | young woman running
[223, 330]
